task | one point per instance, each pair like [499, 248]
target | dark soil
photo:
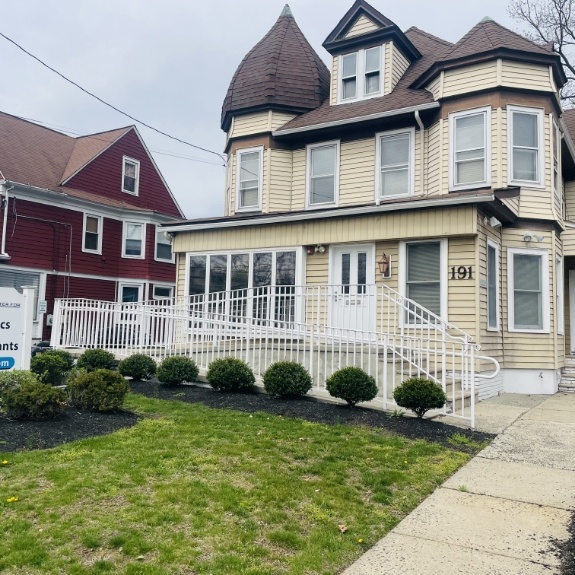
[72, 425]
[315, 410]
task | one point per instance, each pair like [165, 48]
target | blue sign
[6, 362]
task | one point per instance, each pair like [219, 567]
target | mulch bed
[314, 410]
[72, 425]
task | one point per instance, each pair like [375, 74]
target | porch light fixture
[385, 266]
[528, 236]
[319, 249]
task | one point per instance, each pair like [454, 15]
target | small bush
[419, 395]
[230, 374]
[14, 379]
[139, 366]
[352, 384]
[34, 401]
[99, 390]
[176, 370]
[93, 359]
[52, 366]
[287, 378]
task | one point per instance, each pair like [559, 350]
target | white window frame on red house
[162, 286]
[166, 241]
[136, 163]
[125, 237]
[99, 233]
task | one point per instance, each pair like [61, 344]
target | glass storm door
[353, 287]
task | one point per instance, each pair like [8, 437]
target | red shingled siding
[104, 176]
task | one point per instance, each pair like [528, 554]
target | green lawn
[193, 490]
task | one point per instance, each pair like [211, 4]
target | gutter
[354, 120]
[345, 212]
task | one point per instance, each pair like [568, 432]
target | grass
[193, 490]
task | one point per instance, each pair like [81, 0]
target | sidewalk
[499, 514]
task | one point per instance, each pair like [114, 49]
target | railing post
[472, 385]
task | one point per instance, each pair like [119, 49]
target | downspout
[5, 189]
[422, 149]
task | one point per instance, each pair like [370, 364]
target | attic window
[130, 176]
[361, 75]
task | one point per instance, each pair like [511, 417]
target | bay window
[249, 185]
[525, 134]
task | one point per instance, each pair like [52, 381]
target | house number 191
[462, 273]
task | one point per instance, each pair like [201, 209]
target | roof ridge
[429, 35]
[126, 128]
[35, 123]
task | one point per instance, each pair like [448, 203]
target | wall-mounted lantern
[319, 249]
[385, 266]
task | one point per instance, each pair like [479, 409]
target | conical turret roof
[282, 71]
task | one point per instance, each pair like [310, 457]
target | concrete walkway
[499, 514]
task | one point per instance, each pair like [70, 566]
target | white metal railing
[322, 327]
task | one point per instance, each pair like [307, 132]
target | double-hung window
[249, 187]
[130, 176]
[470, 149]
[92, 241]
[492, 286]
[323, 168]
[424, 274]
[361, 74]
[394, 164]
[525, 134]
[528, 286]
[134, 240]
[163, 247]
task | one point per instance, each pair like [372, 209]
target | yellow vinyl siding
[527, 350]
[387, 67]
[334, 80]
[245, 125]
[433, 159]
[278, 119]
[363, 25]
[280, 180]
[435, 87]
[568, 238]
[461, 294]
[469, 79]
[357, 172]
[525, 76]
[298, 180]
[405, 225]
[569, 200]
[399, 65]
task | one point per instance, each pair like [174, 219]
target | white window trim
[164, 286]
[497, 247]
[137, 184]
[100, 219]
[360, 76]
[559, 295]
[378, 137]
[239, 154]
[556, 150]
[540, 183]
[299, 271]
[544, 255]
[443, 284]
[488, 161]
[335, 202]
[156, 258]
[122, 285]
[124, 237]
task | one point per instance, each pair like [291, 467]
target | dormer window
[361, 74]
[130, 176]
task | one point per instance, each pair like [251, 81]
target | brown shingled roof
[402, 96]
[282, 71]
[88, 147]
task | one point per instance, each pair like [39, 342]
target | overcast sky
[169, 63]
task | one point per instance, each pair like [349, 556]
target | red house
[80, 216]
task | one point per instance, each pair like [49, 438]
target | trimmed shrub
[230, 374]
[419, 395]
[287, 378]
[93, 359]
[52, 366]
[352, 384]
[99, 390]
[139, 366]
[14, 379]
[176, 370]
[34, 401]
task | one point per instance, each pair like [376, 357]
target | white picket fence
[324, 329]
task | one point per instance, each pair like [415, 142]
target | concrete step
[565, 387]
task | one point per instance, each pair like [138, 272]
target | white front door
[352, 277]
